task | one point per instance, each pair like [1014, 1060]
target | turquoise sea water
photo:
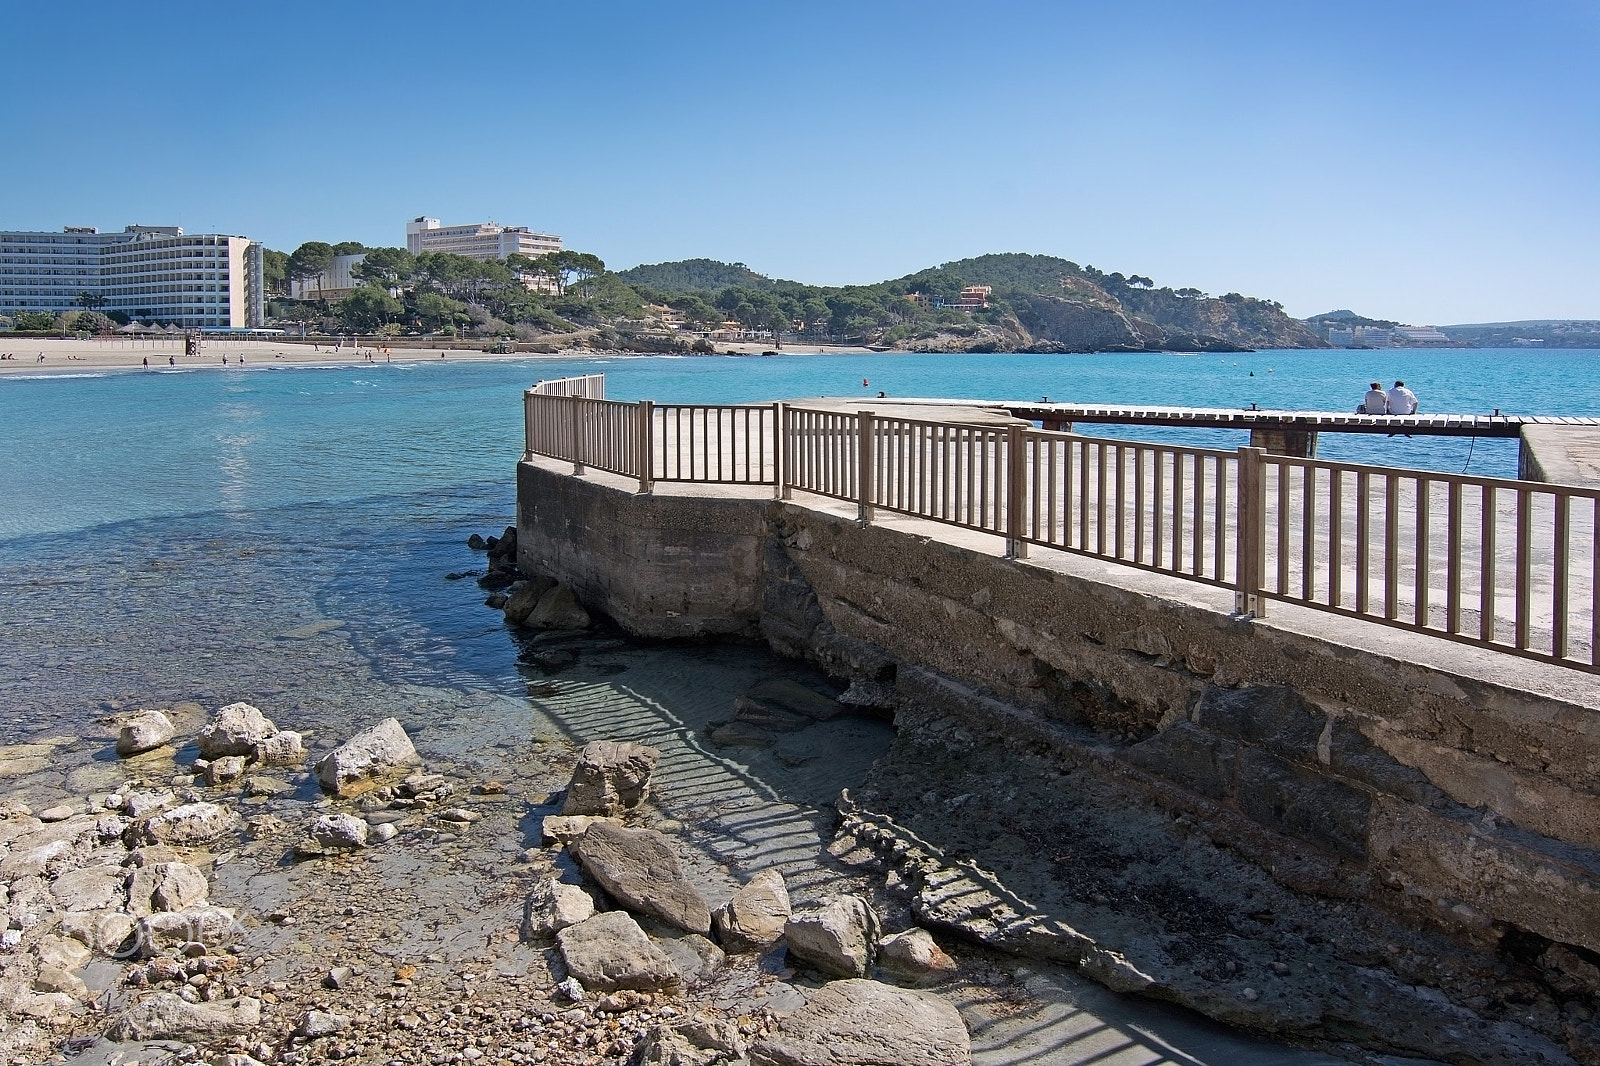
[161, 531]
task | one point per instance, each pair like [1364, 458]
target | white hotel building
[151, 273]
[479, 240]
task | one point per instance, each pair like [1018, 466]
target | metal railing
[1508, 565]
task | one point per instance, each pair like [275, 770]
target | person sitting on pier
[1376, 402]
[1402, 401]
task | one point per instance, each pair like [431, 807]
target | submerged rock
[379, 750]
[164, 1015]
[190, 825]
[611, 777]
[559, 609]
[640, 870]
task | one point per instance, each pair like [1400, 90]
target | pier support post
[1298, 443]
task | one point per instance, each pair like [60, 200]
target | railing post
[864, 459]
[1016, 490]
[780, 469]
[647, 445]
[576, 404]
[527, 424]
[1251, 532]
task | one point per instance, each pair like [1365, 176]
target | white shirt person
[1402, 401]
[1376, 402]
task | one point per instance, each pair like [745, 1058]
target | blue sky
[1432, 162]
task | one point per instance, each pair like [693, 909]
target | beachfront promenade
[1501, 564]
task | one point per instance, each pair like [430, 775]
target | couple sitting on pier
[1397, 401]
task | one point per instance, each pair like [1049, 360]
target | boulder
[839, 937]
[92, 888]
[563, 829]
[142, 802]
[698, 960]
[280, 749]
[524, 597]
[559, 609]
[640, 870]
[611, 777]
[190, 825]
[913, 958]
[212, 927]
[165, 886]
[865, 1023]
[377, 751]
[143, 732]
[62, 952]
[610, 952]
[107, 932]
[166, 1016]
[754, 919]
[553, 906]
[340, 831]
[55, 979]
[791, 695]
[315, 1024]
[234, 730]
[225, 769]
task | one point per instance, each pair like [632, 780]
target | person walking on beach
[1376, 402]
[1402, 401]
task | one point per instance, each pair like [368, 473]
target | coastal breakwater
[1448, 815]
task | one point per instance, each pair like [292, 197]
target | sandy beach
[76, 356]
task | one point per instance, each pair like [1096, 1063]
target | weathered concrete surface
[1467, 783]
[1565, 455]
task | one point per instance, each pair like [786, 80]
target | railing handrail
[1494, 562]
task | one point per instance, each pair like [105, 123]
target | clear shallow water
[80, 452]
[159, 532]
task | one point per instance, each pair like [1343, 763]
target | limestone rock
[280, 749]
[234, 730]
[164, 1015]
[376, 751]
[190, 825]
[55, 979]
[553, 906]
[640, 870]
[559, 609]
[524, 596]
[315, 1024]
[340, 831]
[698, 960]
[912, 957]
[754, 919]
[563, 829]
[225, 769]
[212, 927]
[611, 777]
[92, 888]
[662, 1045]
[142, 802]
[165, 886]
[610, 952]
[143, 732]
[840, 937]
[865, 1023]
[62, 952]
[791, 695]
[107, 932]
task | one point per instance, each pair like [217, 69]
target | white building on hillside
[151, 273]
[332, 284]
[479, 240]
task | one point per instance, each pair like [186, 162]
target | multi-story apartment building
[479, 240]
[151, 273]
[332, 284]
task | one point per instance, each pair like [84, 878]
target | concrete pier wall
[1467, 802]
